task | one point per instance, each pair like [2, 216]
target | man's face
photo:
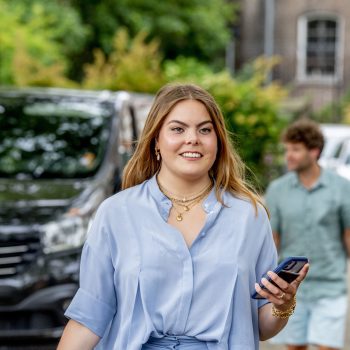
[299, 157]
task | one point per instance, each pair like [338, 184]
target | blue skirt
[176, 342]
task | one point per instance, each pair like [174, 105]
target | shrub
[133, 65]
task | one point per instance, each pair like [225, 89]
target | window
[319, 48]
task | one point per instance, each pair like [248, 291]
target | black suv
[61, 154]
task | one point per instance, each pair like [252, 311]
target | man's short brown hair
[304, 131]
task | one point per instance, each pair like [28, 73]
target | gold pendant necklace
[189, 206]
[186, 203]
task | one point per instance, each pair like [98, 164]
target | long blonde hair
[228, 169]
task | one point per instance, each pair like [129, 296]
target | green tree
[183, 27]
[132, 65]
[46, 32]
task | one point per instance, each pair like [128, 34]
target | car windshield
[52, 139]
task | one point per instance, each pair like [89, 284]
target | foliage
[343, 108]
[186, 68]
[61, 21]
[46, 32]
[68, 31]
[183, 27]
[251, 110]
[31, 72]
[133, 65]
[335, 112]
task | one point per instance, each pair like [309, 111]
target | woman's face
[187, 141]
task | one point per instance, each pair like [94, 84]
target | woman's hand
[282, 298]
[283, 293]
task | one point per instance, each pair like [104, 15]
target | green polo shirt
[311, 222]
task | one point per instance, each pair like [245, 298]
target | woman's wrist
[284, 312]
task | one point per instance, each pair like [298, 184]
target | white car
[343, 165]
[336, 152]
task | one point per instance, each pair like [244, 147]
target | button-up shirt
[311, 222]
[139, 279]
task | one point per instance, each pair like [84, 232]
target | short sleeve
[95, 304]
[345, 205]
[272, 205]
[267, 259]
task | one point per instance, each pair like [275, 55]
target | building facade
[311, 38]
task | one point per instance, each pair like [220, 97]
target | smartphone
[288, 270]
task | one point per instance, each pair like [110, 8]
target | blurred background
[267, 62]
[77, 78]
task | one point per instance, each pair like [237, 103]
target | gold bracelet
[287, 313]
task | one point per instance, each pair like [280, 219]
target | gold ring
[281, 296]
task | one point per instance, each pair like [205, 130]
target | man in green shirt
[310, 216]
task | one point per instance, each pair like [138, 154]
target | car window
[347, 161]
[335, 135]
[345, 152]
[337, 149]
[52, 138]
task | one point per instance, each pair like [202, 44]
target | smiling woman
[172, 259]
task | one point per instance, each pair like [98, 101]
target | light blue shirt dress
[139, 279]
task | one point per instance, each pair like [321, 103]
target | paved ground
[267, 346]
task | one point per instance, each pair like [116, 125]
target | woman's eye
[205, 130]
[177, 129]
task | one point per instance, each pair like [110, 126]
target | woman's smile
[191, 155]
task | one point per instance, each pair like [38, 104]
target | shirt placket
[188, 277]
[187, 292]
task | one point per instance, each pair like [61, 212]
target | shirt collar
[321, 181]
[155, 191]
[294, 179]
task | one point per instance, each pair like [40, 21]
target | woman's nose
[192, 138]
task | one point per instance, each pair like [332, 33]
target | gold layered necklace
[185, 204]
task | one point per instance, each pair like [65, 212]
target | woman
[171, 261]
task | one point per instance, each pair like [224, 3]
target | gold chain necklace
[184, 200]
[189, 206]
[186, 204]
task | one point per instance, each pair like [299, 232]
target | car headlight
[67, 233]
